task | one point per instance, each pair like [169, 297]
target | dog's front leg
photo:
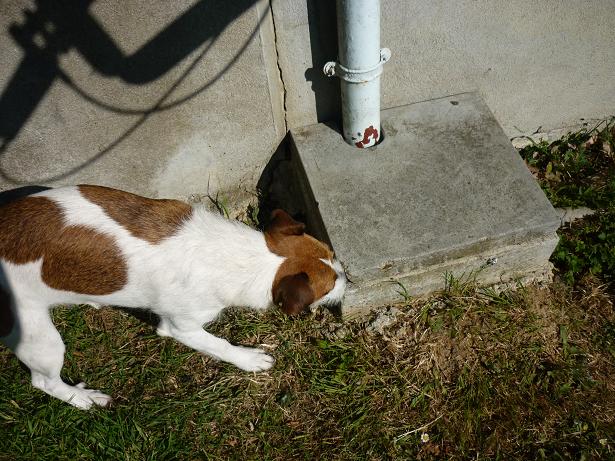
[246, 358]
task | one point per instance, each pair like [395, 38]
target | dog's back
[79, 244]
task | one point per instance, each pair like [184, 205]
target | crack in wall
[277, 60]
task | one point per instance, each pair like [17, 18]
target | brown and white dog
[100, 246]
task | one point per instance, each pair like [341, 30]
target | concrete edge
[315, 225]
[525, 262]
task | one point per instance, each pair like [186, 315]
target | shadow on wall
[322, 23]
[283, 184]
[279, 183]
[54, 28]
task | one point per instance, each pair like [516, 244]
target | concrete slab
[445, 192]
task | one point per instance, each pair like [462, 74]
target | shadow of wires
[51, 29]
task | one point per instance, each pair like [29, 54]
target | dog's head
[310, 276]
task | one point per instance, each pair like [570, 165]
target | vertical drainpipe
[359, 68]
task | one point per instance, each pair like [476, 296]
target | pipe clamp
[333, 68]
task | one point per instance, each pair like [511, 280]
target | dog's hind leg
[39, 346]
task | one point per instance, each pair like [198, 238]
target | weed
[579, 170]
[402, 291]
[587, 246]
[219, 204]
[252, 215]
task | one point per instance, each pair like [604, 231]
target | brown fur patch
[293, 293]
[286, 237]
[28, 226]
[145, 218]
[75, 258]
[84, 261]
[298, 246]
[7, 318]
[283, 223]
[320, 277]
[302, 278]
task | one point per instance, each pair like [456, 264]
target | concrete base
[445, 192]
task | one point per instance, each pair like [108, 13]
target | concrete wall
[543, 64]
[159, 98]
[173, 98]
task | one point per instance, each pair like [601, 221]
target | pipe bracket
[333, 68]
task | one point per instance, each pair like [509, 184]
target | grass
[481, 374]
[579, 171]
[587, 246]
[468, 373]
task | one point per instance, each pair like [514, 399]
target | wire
[145, 113]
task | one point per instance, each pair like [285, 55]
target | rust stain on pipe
[369, 132]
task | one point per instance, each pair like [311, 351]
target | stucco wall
[159, 98]
[173, 98]
[537, 64]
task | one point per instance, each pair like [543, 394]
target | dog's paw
[84, 398]
[250, 359]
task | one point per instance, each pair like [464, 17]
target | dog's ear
[293, 293]
[283, 223]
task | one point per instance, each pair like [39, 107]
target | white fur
[187, 279]
[336, 295]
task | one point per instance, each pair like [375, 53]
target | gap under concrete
[445, 192]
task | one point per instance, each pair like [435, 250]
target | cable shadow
[67, 24]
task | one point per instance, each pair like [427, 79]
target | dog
[101, 246]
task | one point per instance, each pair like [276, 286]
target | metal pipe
[359, 68]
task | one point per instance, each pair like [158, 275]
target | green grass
[579, 171]
[587, 247]
[482, 374]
